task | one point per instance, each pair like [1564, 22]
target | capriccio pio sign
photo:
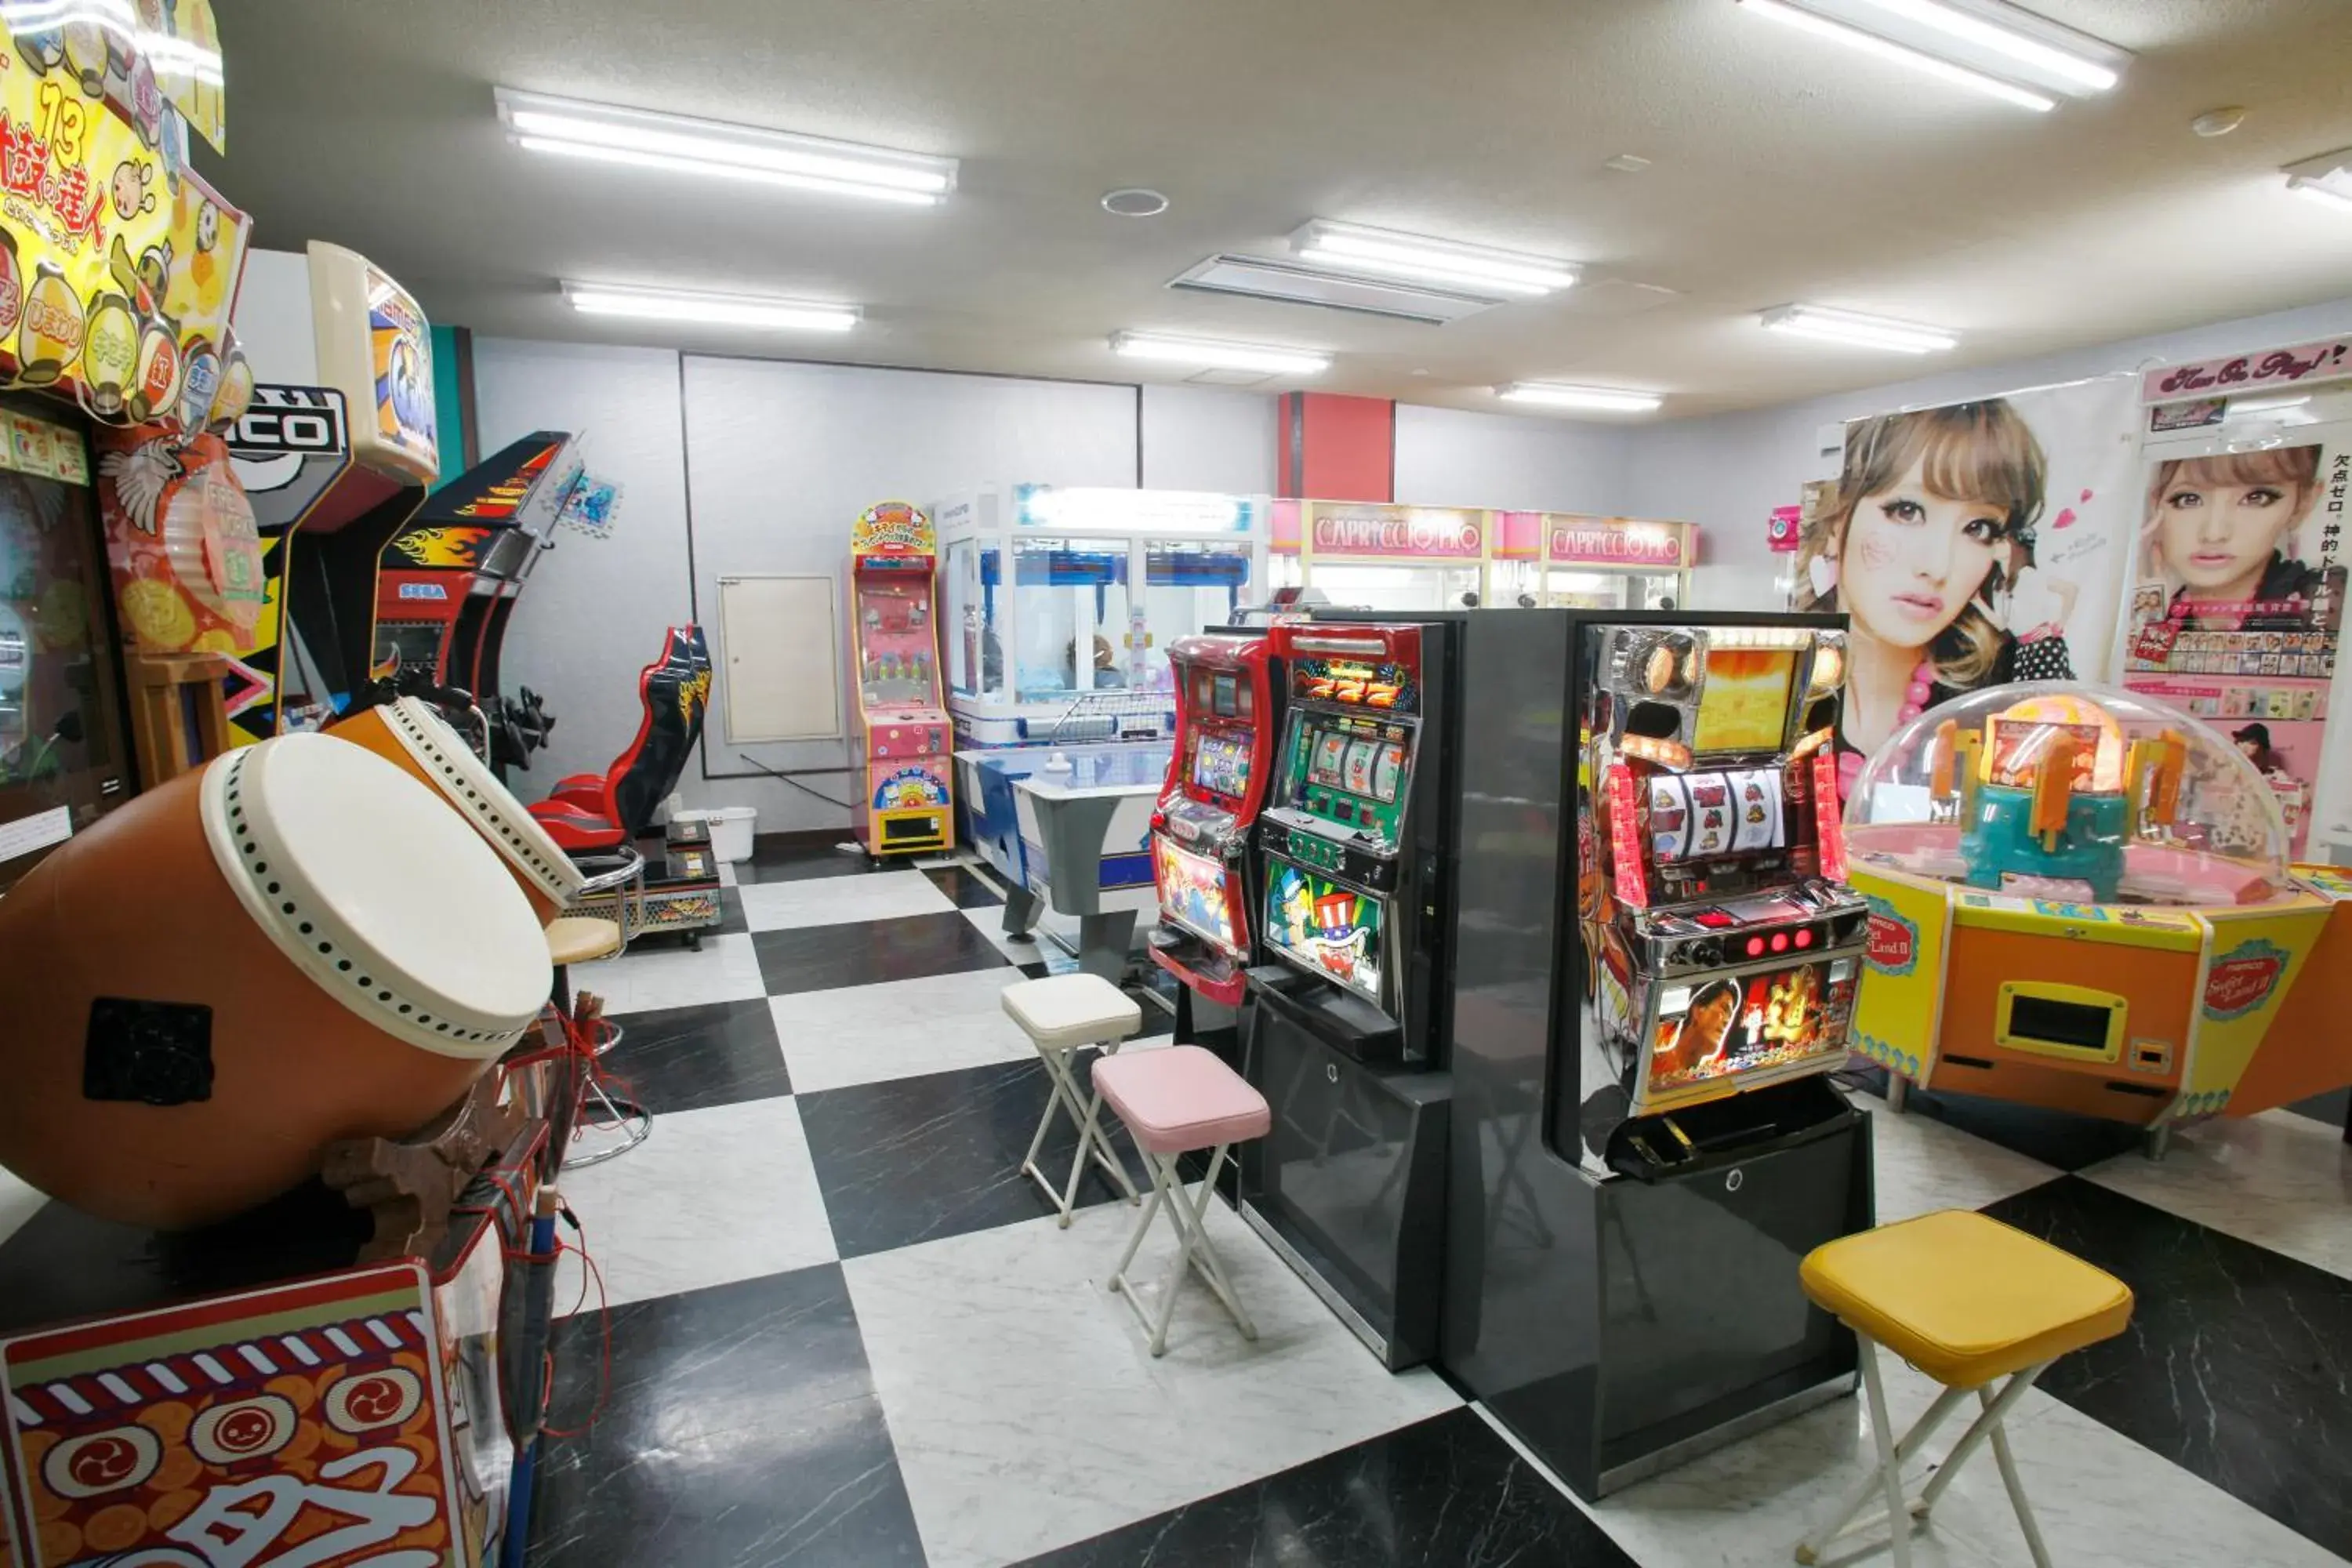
[1417, 532]
[2322, 361]
[117, 264]
[1614, 541]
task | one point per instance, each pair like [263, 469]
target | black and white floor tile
[843, 1330]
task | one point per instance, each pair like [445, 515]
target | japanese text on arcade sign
[1396, 531]
[1613, 541]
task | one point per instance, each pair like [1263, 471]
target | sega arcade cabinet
[907, 804]
[1657, 968]
[1227, 710]
[450, 579]
[1348, 1032]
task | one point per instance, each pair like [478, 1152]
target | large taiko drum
[297, 944]
[411, 736]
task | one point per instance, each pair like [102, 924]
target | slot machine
[1657, 963]
[1345, 1036]
[1227, 712]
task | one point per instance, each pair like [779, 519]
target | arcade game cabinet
[1347, 1037]
[450, 578]
[593, 813]
[907, 806]
[2079, 900]
[1227, 708]
[1656, 963]
[64, 760]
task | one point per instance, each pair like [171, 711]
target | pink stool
[1175, 1100]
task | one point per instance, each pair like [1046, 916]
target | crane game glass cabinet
[895, 645]
[1656, 963]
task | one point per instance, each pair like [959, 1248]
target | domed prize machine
[2079, 900]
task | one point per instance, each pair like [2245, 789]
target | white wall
[1728, 472]
[1204, 439]
[593, 613]
[1454, 456]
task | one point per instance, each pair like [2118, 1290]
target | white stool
[1060, 1014]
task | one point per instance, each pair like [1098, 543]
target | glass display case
[1058, 601]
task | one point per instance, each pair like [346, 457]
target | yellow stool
[1968, 1300]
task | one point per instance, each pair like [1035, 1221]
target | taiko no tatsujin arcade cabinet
[907, 804]
[2079, 900]
[1656, 963]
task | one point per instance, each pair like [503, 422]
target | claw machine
[907, 805]
[1614, 563]
[1406, 559]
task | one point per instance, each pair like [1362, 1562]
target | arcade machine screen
[1724, 1028]
[1351, 771]
[1327, 928]
[1221, 766]
[1744, 705]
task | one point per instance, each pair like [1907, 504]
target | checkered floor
[843, 1332]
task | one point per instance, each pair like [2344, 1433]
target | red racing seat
[601, 811]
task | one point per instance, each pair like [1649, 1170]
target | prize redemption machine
[1227, 714]
[1347, 1037]
[2079, 900]
[448, 583]
[895, 645]
[1655, 966]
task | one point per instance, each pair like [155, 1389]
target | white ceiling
[1784, 168]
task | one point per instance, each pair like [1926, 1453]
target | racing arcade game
[1657, 963]
[450, 579]
[1348, 1037]
[1227, 707]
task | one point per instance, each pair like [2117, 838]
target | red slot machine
[1225, 718]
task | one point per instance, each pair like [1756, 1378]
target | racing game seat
[601, 811]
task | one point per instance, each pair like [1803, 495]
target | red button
[1755, 946]
[1780, 942]
[1805, 937]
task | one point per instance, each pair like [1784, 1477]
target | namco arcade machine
[1227, 708]
[2079, 900]
[1656, 966]
[1345, 1034]
[908, 805]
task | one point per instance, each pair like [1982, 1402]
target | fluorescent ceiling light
[1353, 249]
[1860, 330]
[1212, 354]
[2002, 33]
[1901, 54]
[2326, 178]
[1598, 399]
[720, 310]
[673, 142]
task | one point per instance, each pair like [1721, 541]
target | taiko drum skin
[299, 944]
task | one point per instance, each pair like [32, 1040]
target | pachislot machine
[1346, 1036]
[1227, 708]
[1656, 961]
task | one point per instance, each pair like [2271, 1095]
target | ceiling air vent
[1263, 279]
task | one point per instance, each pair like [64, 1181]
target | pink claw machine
[908, 805]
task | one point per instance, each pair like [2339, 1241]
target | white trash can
[730, 828]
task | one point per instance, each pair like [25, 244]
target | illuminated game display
[1724, 950]
[2080, 899]
[906, 804]
[1225, 715]
[1338, 901]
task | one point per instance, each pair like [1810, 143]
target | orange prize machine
[2080, 900]
[907, 804]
